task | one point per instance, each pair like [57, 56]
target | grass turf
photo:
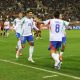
[71, 62]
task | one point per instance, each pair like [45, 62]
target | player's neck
[28, 17]
[20, 18]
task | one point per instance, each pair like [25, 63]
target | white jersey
[56, 29]
[18, 25]
[6, 25]
[28, 25]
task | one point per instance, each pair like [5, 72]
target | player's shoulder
[48, 20]
[23, 19]
[16, 19]
[54, 19]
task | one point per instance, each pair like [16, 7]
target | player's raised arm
[45, 23]
[74, 23]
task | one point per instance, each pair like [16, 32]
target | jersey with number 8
[56, 29]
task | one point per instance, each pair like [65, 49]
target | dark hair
[56, 14]
[29, 11]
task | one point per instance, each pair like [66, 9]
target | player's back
[56, 28]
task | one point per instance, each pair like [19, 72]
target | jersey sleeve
[46, 22]
[66, 23]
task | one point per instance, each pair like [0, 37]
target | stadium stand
[42, 7]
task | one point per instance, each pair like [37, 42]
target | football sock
[61, 53]
[56, 58]
[31, 49]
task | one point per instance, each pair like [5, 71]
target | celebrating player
[56, 27]
[63, 39]
[18, 29]
[28, 25]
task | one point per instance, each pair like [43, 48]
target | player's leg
[40, 34]
[2, 31]
[54, 55]
[58, 47]
[18, 38]
[18, 47]
[62, 48]
[37, 35]
[7, 32]
[31, 48]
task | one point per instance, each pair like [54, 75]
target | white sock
[61, 53]
[7, 34]
[56, 58]
[33, 33]
[31, 49]
[57, 55]
[19, 48]
[19, 44]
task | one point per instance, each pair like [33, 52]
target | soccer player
[56, 27]
[28, 25]
[63, 38]
[38, 33]
[6, 27]
[18, 29]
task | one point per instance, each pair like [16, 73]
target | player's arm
[38, 20]
[34, 26]
[74, 23]
[45, 23]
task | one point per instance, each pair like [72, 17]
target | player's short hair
[29, 11]
[56, 14]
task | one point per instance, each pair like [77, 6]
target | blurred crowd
[69, 8]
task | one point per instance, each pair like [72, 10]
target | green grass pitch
[42, 69]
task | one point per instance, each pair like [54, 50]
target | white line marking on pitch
[45, 70]
[50, 76]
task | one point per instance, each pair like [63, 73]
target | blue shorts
[26, 38]
[64, 40]
[54, 45]
[7, 29]
[18, 35]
